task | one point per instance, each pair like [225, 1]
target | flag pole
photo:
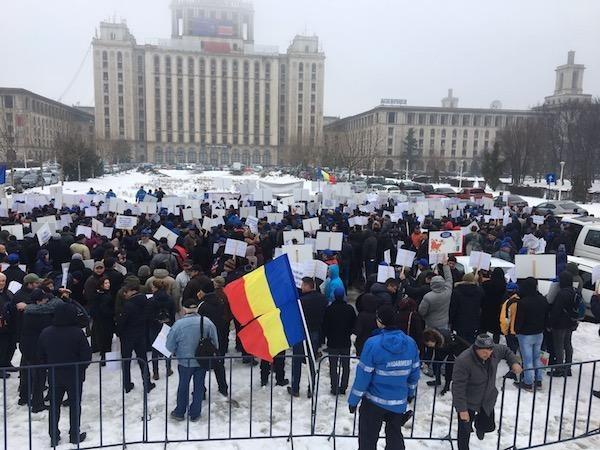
[308, 343]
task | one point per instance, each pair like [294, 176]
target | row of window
[214, 156]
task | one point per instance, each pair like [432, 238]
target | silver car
[558, 207]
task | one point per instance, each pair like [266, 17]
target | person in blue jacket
[111, 194]
[385, 383]
[333, 282]
[140, 194]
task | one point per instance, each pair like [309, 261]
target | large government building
[447, 136]
[208, 94]
[30, 123]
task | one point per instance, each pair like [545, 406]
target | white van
[587, 236]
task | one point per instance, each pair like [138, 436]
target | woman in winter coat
[161, 312]
[494, 290]
[366, 321]
[562, 324]
[465, 308]
[410, 321]
[445, 347]
[102, 313]
[333, 282]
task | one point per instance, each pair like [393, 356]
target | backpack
[578, 310]
[205, 348]
[163, 316]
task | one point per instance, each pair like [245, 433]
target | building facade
[30, 123]
[208, 94]
[447, 137]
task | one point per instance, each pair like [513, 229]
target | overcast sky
[485, 50]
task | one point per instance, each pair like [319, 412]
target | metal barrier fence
[562, 411]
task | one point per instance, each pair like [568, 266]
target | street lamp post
[460, 175]
[406, 174]
[562, 180]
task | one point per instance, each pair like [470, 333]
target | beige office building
[447, 136]
[30, 123]
[208, 94]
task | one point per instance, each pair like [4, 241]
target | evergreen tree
[411, 147]
[492, 165]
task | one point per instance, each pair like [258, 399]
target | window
[592, 238]
[433, 119]
[466, 121]
[443, 119]
[410, 118]
[432, 133]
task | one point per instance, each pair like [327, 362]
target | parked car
[446, 191]
[359, 186]
[558, 207]
[512, 200]
[426, 188]
[50, 178]
[414, 195]
[31, 180]
[407, 184]
[376, 187]
[476, 193]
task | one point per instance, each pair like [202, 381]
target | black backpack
[205, 348]
[163, 316]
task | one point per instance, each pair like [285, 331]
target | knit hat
[144, 271]
[13, 258]
[484, 341]
[77, 256]
[98, 264]
[219, 282]
[512, 287]
[387, 315]
[469, 277]
[423, 262]
[208, 287]
[31, 278]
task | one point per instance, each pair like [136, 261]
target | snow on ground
[251, 414]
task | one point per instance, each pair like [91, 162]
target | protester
[562, 324]
[465, 308]
[435, 306]
[474, 390]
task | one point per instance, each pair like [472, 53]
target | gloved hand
[352, 409]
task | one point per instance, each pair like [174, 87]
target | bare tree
[355, 149]
[522, 143]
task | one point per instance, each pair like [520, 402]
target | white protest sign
[14, 286]
[82, 229]
[91, 211]
[252, 223]
[106, 231]
[160, 343]
[274, 217]
[405, 258]
[126, 222]
[65, 274]
[35, 226]
[538, 220]
[321, 269]
[329, 241]
[289, 236]
[96, 225]
[166, 233]
[595, 274]
[536, 266]
[147, 207]
[43, 234]
[235, 247]
[480, 260]
[298, 253]
[310, 225]
[247, 211]
[15, 230]
[385, 272]
[445, 242]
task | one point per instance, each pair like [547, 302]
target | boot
[155, 375]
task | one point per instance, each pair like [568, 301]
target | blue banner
[3, 174]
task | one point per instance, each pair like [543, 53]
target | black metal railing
[565, 409]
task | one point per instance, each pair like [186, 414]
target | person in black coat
[162, 312]
[366, 321]
[59, 251]
[8, 315]
[213, 307]
[62, 343]
[102, 312]
[313, 305]
[494, 295]
[116, 278]
[37, 316]
[465, 308]
[415, 290]
[13, 272]
[446, 347]
[338, 324]
[131, 324]
[562, 324]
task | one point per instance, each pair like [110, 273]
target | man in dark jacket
[313, 304]
[213, 308]
[62, 343]
[366, 321]
[116, 278]
[474, 390]
[563, 324]
[465, 308]
[13, 272]
[92, 284]
[132, 331]
[415, 290]
[8, 315]
[338, 324]
[386, 292]
[59, 251]
[530, 322]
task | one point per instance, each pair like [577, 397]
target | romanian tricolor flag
[265, 303]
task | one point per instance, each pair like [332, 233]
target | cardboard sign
[126, 222]
[160, 343]
[91, 211]
[329, 241]
[405, 258]
[235, 248]
[445, 242]
[384, 273]
[15, 230]
[252, 223]
[43, 234]
[480, 260]
[166, 233]
[82, 229]
[595, 274]
[311, 225]
[289, 236]
[537, 266]
[298, 253]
